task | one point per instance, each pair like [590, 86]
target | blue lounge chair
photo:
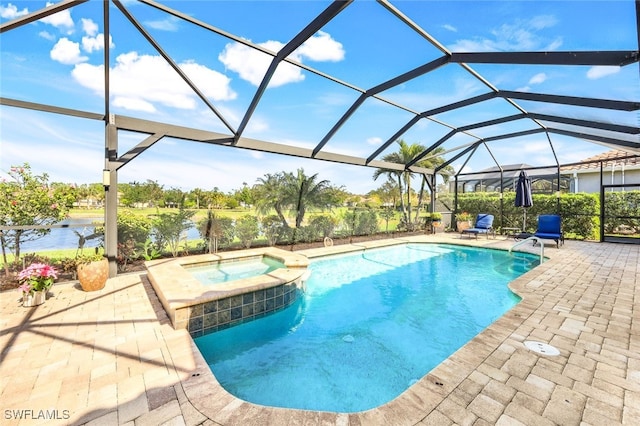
[483, 225]
[550, 228]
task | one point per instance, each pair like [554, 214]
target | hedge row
[580, 212]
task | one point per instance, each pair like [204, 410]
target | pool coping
[212, 400]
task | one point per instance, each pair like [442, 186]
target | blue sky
[58, 60]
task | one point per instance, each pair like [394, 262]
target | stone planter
[93, 275]
[34, 299]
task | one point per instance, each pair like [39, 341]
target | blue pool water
[369, 326]
[232, 271]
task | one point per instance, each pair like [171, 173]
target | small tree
[29, 201]
[215, 230]
[133, 232]
[272, 228]
[388, 213]
[247, 230]
[168, 229]
[324, 225]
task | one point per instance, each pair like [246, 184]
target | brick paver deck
[111, 357]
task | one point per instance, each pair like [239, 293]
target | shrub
[247, 230]
[272, 229]
[168, 229]
[324, 226]
[360, 222]
[216, 231]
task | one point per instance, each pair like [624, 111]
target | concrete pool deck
[112, 357]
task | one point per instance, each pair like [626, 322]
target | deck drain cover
[541, 348]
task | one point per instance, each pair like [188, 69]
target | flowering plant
[37, 277]
[463, 217]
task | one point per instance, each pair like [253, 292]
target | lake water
[66, 238]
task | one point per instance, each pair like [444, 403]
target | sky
[59, 61]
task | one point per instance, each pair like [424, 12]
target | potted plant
[35, 282]
[93, 271]
[463, 221]
[436, 219]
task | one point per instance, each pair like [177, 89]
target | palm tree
[305, 192]
[271, 194]
[433, 161]
[405, 154]
[293, 192]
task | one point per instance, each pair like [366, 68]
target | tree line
[30, 201]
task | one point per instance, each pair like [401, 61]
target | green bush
[247, 230]
[360, 222]
[620, 208]
[272, 229]
[216, 231]
[168, 229]
[324, 225]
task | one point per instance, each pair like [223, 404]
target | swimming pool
[369, 326]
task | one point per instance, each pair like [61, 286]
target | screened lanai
[479, 84]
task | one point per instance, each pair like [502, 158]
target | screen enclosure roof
[480, 84]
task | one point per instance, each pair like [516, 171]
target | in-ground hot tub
[203, 308]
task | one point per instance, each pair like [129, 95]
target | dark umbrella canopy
[523, 191]
[523, 195]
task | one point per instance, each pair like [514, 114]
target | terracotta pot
[34, 299]
[93, 276]
[463, 224]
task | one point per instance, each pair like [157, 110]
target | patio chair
[550, 228]
[483, 225]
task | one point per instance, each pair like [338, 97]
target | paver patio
[111, 357]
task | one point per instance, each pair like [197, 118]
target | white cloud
[61, 20]
[169, 24]
[375, 141]
[47, 35]
[449, 27]
[321, 47]
[251, 65]
[89, 27]
[67, 52]
[542, 21]
[538, 78]
[521, 35]
[92, 44]
[133, 104]
[597, 72]
[140, 81]
[12, 12]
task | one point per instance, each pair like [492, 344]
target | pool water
[236, 270]
[369, 326]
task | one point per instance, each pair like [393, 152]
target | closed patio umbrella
[524, 198]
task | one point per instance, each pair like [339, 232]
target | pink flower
[38, 276]
[25, 288]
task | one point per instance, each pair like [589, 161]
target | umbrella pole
[524, 219]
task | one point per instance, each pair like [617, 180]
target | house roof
[610, 158]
